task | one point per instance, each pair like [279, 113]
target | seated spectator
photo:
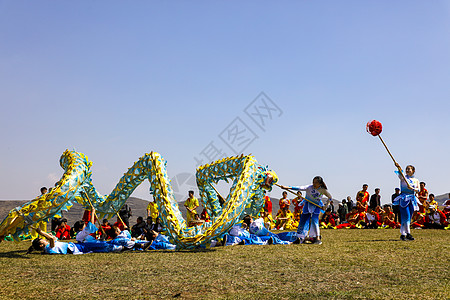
[430, 202]
[328, 219]
[63, 230]
[446, 209]
[138, 229]
[388, 218]
[196, 221]
[372, 219]
[353, 219]
[204, 215]
[120, 224]
[435, 218]
[281, 218]
[107, 229]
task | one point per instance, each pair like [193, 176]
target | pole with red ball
[374, 127]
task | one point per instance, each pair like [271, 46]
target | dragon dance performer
[51, 245]
[314, 193]
[407, 199]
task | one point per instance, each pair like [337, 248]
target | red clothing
[204, 215]
[119, 224]
[297, 206]
[268, 204]
[106, 229]
[365, 199]
[438, 217]
[87, 216]
[284, 202]
[377, 218]
[423, 196]
[63, 232]
[328, 219]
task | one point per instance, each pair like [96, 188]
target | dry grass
[351, 264]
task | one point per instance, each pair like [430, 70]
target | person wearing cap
[435, 218]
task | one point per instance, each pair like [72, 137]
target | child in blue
[407, 200]
[84, 230]
[310, 214]
[51, 245]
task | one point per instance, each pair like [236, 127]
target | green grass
[351, 264]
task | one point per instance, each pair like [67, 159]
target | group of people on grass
[412, 206]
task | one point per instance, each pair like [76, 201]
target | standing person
[395, 208]
[423, 196]
[407, 200]
[314, 193]
[349, 203]
[342, 211]
[267, 204]
[125, 214]
[375, 199]
[332, 207]
[284, 202]
[152, 210]
[42, 225]
[365, 198]
[191, 205]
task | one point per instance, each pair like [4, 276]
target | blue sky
[116, 79]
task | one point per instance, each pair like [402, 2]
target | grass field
[351, 264]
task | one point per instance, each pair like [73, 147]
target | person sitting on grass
[106, 228]
[63, 230]
[195, 221]
[51, 245]
[372, 220]
[352, 220]
[388, 218]
[435, 218]
[138, 229]
[328, 220]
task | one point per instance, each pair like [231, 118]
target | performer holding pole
[409, 186]
[311, 209]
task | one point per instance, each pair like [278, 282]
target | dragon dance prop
[246, 196]
[301, 197]
[375, 128]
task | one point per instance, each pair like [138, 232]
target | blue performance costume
[82, 248]
[309, 220]
[407, 201]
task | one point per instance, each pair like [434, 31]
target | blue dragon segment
[245, 197]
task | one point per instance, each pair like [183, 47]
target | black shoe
[270, 241]
[403, 237]
[409, 237]
[242, 242]
[297, 241]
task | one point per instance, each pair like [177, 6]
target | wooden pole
[396, 164]
[301, 197]
[95, 214]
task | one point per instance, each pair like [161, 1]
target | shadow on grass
[378, 240]
[15, 254]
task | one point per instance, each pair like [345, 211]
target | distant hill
[442, 198]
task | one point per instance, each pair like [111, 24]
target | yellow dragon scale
[245, 197]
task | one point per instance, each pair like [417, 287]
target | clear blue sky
[117, 79]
